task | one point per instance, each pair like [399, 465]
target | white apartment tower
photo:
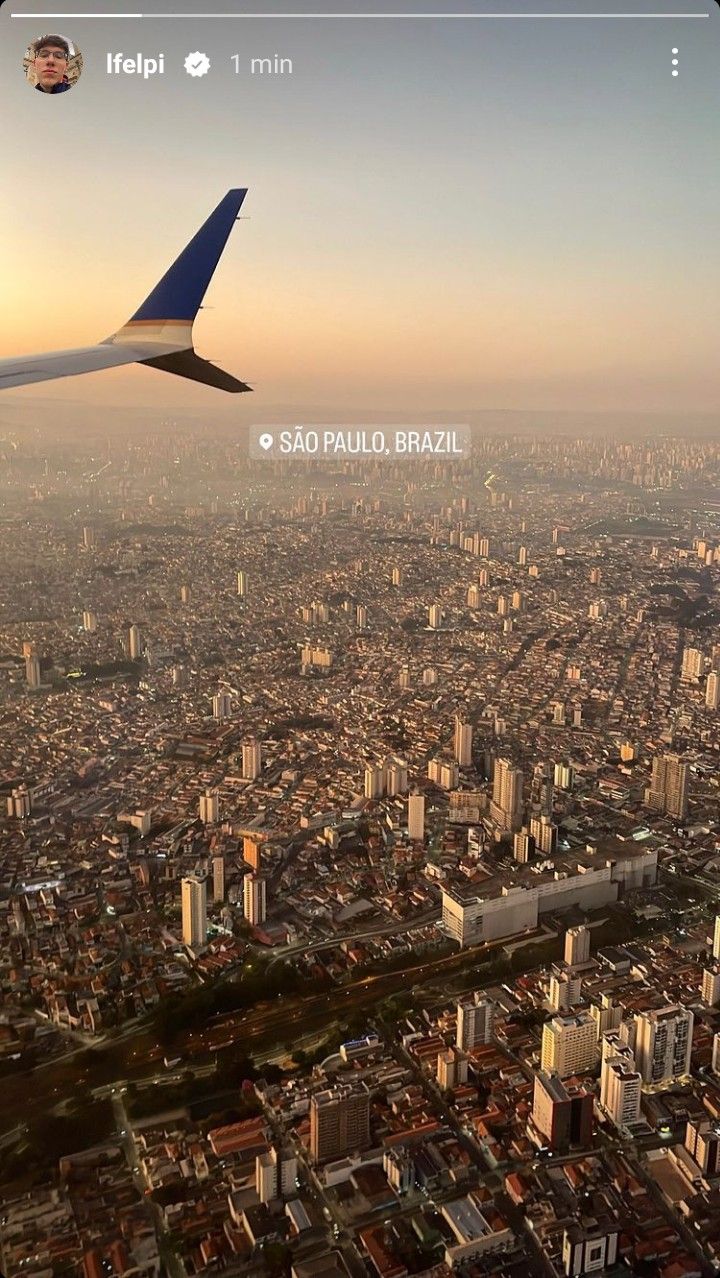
[663, 1044]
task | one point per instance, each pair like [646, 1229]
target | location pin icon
[266, 441]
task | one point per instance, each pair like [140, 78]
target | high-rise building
[506, 806]
[252, 852]
[397, 577]
[475, 1021]
[255, 899]
[185, 594]
[591, 1249]
[523, 846]
[416, 817]
[194, 911]
[565, 988]
[209, 808]
[218, 865]
[435, 616]
[716, 1054]
[32, 671]
[444, 772]
[693, 664]
[607, 1015]
[135, 643]
[395, 776]
[339, 1123]
[251, 760]
[564, 776]
[577, 945]
[451, 1069]
[545, 834]
[569, 1045]
[712, 691]
[374, 781]
[429, 677]
[242, 584]
[275, 1175]
[473, 597]
[88, 537]
[222, 705]
[716, 938]
[667, 791]
[620, 1085]
[702, 1141]
[663, 1043]
[463, 742]
[562, 1116]
[710, 987]
[361, 617]
[89, 622]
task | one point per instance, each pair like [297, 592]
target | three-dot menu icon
[675, 61]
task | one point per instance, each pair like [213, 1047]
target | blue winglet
[180, 292]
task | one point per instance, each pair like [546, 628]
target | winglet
[180, 292]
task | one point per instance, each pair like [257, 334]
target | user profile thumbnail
[52, 64]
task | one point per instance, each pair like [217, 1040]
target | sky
[442, 213]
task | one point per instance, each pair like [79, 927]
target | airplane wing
[160, 333]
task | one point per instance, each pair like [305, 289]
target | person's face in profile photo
[52, 55]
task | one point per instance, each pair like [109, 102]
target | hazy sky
[441, 212]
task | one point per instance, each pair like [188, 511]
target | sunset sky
[441, 213]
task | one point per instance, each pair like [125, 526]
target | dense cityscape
[360, 875]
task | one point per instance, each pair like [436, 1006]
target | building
[209, 808]
[339, 1123]
[374, 781]
[476, 1232]
[663, 1044]
[395, 776]
[569, 1045]
[275, 1174]
[218, 865]
[712, 691]
[475, 1021]
[242, 584]
[545, 834]
[251, 760]
[32, 671]
[452, 1068]
[607, 1015]
[577, 945]
[462, 744]
[135, 643]
[591, 1250]
[222, 705]
[620, 1082]
[523, 846]
[194, 911]
[444, 773]
[667, 791]
[565, 990]
[710, 988]
[435, 616]
[255, 899]
[89, 621]
[252, 853]
[693, 664]
[561, 1116]
[416, 817]
[506, 806]
[716, 938]
[702, 1141]
[716, 1054]
[512, 901]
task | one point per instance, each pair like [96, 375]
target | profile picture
[52, 64]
